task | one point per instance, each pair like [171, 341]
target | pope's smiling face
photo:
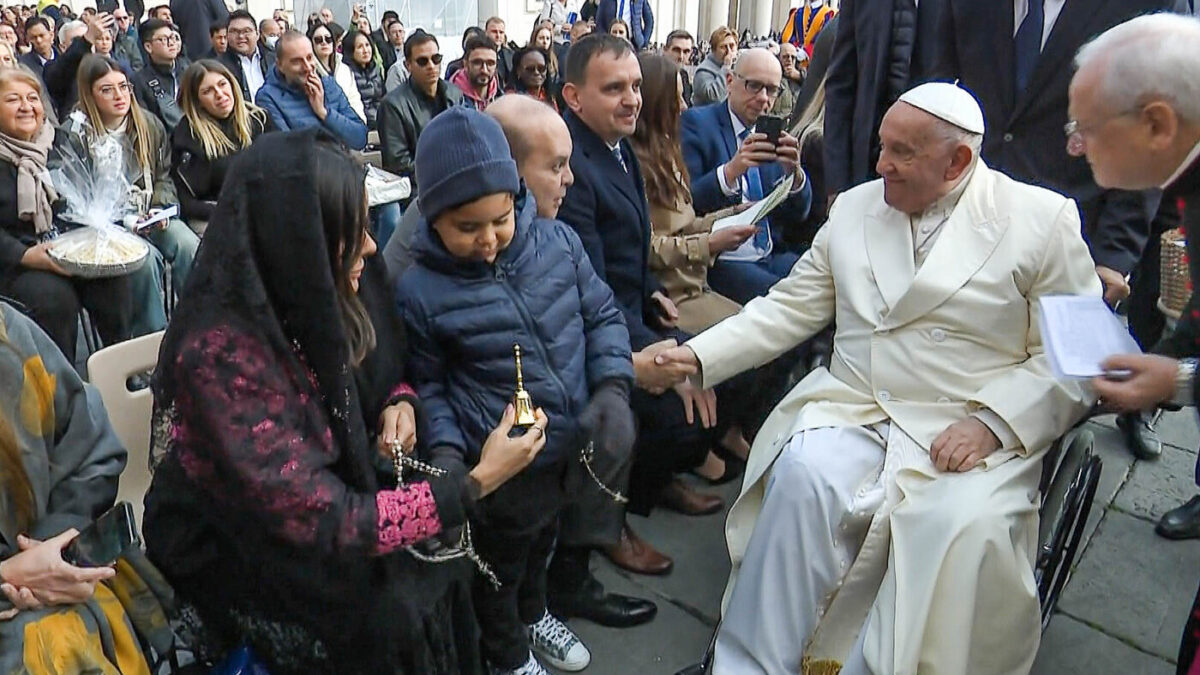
[918, 160]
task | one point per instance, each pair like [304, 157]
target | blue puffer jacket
[289, 108]
[463, 318]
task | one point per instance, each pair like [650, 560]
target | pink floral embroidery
[403, 389]
[406, 516]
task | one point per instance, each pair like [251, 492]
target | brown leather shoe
[677, 496]
[636, 555]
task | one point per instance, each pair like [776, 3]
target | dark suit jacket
[1184, 341]
[234, 64]
[709, 142]
[818, 66]
[194, 17]
[608, 209]
[1024, 135]
[34, 62]
[857, 83]
[640, 12]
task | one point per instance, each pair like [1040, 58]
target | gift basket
[99, 201]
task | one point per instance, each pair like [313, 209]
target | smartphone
[106, 6]
[771, 125]
[102, 542]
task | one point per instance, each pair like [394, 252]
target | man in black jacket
[1022, 84]
[406, 110]
[157, 84]
[881, 47]
[40, 34]
[248, 60]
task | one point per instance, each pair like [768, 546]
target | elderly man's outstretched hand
[963, 445]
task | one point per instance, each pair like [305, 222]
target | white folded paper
[1079, 333]
[760, 209]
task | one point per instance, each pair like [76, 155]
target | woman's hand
[726, 238]
[37, 257]
[503, 457]
[39, 567]
[397, 423]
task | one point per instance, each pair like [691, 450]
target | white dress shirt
[1052, 9]
[252, 69]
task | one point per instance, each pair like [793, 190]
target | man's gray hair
[1151, 57]
[69, 26]
[958, 135]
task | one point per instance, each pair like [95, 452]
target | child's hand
[503, 457]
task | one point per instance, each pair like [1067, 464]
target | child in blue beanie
[488, 274]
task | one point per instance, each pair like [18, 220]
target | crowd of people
[392, 437]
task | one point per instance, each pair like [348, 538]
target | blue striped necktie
[754, 192]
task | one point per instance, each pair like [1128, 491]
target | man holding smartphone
[731, 160]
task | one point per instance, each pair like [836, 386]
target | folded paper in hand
[157, 217]
[1079, 333]
[760, 209]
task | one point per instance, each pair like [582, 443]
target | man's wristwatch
[1185, 382]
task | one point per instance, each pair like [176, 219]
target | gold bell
[522, 401]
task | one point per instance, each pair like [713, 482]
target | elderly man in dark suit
[730, 162]
[607, 206]
[881, 48]
[1016, 57]
[1136, 116]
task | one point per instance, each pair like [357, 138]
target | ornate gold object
[522, 401]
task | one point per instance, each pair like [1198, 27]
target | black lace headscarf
[266, 269]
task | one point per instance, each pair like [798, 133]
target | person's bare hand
[787, 153]
[314, 89]
[963, 445]
[754, 151]
[9, 614]
[98, 26]
[729, 238]
[656, 377]
[1151, 381]
[40, 568]
[397, 423]
[503, 457]
[1116, 288]
[704, 401]
[21, 598]
[37, 257]
[668, 313]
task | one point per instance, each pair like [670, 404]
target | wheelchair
[1067, 489]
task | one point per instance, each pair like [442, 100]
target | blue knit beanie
[462, 155]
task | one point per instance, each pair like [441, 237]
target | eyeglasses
[536, 68]
[235, 32]
[755, 87]
[322, 39]
[481, 63]
[166, 39]
[110, 91]
[1076, 145]
[423, 61]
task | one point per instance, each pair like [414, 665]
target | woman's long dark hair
[348, 41]
[339, 187]
[333, 55]
[656, 139]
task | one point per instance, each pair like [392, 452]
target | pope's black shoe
[590, 602]
[1182, 522]
[1138, 432]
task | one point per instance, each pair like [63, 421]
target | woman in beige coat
[683, 246]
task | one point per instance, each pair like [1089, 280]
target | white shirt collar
[1187, 162]
[249, 59]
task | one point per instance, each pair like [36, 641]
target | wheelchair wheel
[1060, 540]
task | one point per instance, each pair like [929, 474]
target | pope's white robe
[920, 350]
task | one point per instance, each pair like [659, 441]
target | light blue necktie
[754, 192]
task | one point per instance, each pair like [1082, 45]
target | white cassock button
[885, 395]
[943, 399]
[937, 334]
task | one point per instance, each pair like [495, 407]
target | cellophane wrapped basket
[98, 199]
[1175, 285]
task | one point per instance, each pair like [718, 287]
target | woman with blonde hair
[217, 124]
[107, 109]
[8, 58]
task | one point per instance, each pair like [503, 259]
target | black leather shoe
[1139, 434]
[1181, 522]
[607, 609]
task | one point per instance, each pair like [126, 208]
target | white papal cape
[921, 349]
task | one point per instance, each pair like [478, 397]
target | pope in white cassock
[888, 519]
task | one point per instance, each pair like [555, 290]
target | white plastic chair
[109, 370]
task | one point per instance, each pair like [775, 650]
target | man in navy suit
[729, 163]
[636, 13]
[607, 207]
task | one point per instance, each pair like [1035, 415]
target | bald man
[729, 163]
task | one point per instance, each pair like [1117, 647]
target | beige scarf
[35, 193]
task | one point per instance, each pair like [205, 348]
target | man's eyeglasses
[235, 32]
[166, 39]
[322, 39]
[755, 87]
[110, 90]
[479, 63]
[1076, 146]
[423, 61]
